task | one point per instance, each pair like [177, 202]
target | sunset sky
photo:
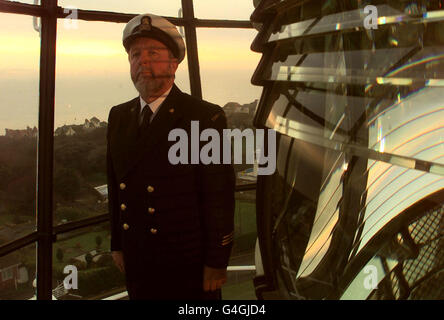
[92, 71]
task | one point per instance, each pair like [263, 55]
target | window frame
[49, 12]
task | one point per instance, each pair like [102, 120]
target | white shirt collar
[154, 106]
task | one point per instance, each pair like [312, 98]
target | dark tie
[145, 117]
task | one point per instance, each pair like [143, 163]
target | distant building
[65, 131]
[28, 132]
[70, 132]
[240, 116]
[88, 125]
[103, 191]
[234, 107]
[91, 124]
[12, 272]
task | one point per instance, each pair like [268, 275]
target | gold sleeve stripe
[229, 235]
[226, 241]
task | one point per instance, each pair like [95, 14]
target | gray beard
[148, 88]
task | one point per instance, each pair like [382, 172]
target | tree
[5, 175]
[59, 254]
[89, 259]
[67, 184]
[98, 241]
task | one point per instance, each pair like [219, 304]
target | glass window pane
[92, 75]
[17, 273]
[228, 9]
[361, 112]
[390, 74]
[239, 284]
[164, 8]
[19, 80]
[86, 251]
[226, 66]
[245, 224]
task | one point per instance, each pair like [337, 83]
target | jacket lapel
[133, 127]
[123, 140]
[164, 121]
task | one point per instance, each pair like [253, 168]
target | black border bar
[45, 163]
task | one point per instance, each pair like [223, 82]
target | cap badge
[145, 24]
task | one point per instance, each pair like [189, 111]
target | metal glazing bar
[211, 23]
[71, 226]
[83, 223]
[108, 16]
[46, 151]
[18, 244]
[192, 52]
[21, 8]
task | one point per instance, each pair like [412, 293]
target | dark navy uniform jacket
[164, 216]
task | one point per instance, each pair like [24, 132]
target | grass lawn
[78, 245]
[9, 218]
[245, 217]
[5, 218]
[239, 291]
[244, 226]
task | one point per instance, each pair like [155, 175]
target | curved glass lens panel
[355, 93]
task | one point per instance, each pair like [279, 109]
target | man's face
[152, 66]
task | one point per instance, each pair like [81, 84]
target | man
[172, 225]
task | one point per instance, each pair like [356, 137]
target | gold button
[150, 189]
[122, 186]
[151, 210]
[153, 231]
[171, 110]
[123, 207]
[125, 226]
